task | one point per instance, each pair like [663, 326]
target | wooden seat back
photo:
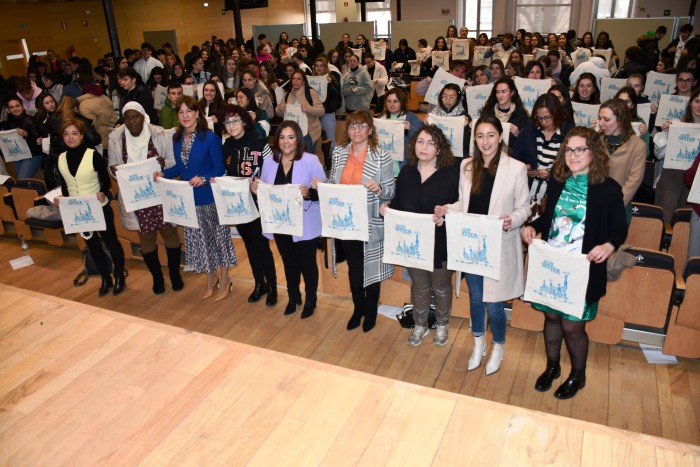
[680, 238]
[24, 200]
[647, 226]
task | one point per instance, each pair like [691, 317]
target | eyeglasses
[446, 97]
[546, 118]
[579, 151]
[232, 121]
[358, 126]
[685, 81]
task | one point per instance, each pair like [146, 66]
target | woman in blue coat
[290, 163]
[198, 158]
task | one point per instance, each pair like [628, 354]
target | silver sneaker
[417, 335]
[440, 337]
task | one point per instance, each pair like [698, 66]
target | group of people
[587, 176]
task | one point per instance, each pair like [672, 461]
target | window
[380, 13]
[478, 17]
[325, 13]
[543, 16]
[614, 9]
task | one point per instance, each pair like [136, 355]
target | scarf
[504, 116]
[137, 146]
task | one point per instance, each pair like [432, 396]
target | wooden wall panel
[193, 22]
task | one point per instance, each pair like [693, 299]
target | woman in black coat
[27, 128]
[402, 55]
[585, 214]
[133, 89]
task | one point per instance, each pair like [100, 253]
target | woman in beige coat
[492, 183]
[305, 96]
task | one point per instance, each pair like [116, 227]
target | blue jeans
[310, 144]
[328, 125]
[27, 168]
[496, 310]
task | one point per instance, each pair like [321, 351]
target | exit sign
[22, 26]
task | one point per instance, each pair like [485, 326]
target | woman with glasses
[585, 215]
[290, 163]
[492, 183]
[360, 161]
[244, 152]
[539, 149]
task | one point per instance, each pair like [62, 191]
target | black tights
[572, 332]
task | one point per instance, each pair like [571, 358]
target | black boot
[174, 268]
[309, 305]
[372, 301]
[553, 371]
[358, 300]
[271, 299]
[106, 285]
[153, 264]
[575, 381]
[259, 290]
[294, 300]
[119, 284]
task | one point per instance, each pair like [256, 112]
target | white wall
[412, 10]
[653, 8]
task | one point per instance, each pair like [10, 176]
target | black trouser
[108, 236]
[259, 254]
[364, 298]
[299, 258]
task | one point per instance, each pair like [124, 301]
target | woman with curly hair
[580, 191]
[431, 178]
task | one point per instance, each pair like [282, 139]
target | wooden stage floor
[82, 385]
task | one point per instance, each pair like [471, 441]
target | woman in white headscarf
[135, 141]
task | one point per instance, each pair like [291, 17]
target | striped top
[547, 150]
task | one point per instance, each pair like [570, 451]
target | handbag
[405, 318]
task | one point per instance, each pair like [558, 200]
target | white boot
[495, 359]
[478, 353]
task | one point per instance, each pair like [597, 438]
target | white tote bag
[293, 113]
[610, 86]
[344, 211]
[683, 145]
[160, 95]
[281, 209]
[584, 114]
[82, 214]
[694, 195]
[438, 82]
[178, 202]
[390, 135]
[136, 187]
[671, 107]
[475, 244]
[14, 147]
[409, 239]
[453, 129]
[234, 201]
[320, 84]
[460, 49]
[556, 278]
[658, 84]
[476, 98]
[530, 90]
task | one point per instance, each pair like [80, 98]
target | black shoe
[153, 264]
[575, 382]
[553, 371]
[174, 268]
[355, 320]
[271, 296]
[106, 285]
[294, 300]
[309, 306]
[119, 285]
[369, 322]
[259, 290]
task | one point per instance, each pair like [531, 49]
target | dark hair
[687, 28]
[477, 165]
[552, 104]
[623, 115]
[368, 55]
[423, 42]
[230, 110]
[595, 97]
[450, 87]
[157, 71]
[688, 115]
[23, 84]
[499, 63]
[629, 90]
[600, 159]
[250, 95]
[444, 47]
[403, 42]
[202, 127]
[401, 96]
[515, 99]
[568, 108]
[445, 157]
[174, 84]
[518, 53]
[41, 112]
[532, 64]
[129, 72]
[301, 145]
[147, 45]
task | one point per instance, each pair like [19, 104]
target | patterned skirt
[209, 247]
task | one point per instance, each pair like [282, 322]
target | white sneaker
[477, 354]
[417, 335]
[440, 336]
[495, 359]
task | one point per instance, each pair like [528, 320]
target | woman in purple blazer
[291, 164]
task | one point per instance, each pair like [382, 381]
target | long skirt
[209, 247]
